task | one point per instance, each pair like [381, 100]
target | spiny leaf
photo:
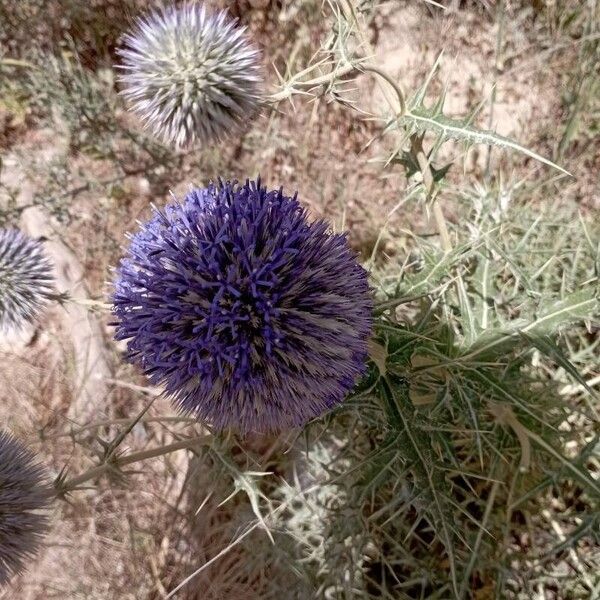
[548, 347]
[575, 307]
[416, 445]
[438, 267]
[589, 526]
[423, 119]
[579, 462]
[580, 473]
[409, 162]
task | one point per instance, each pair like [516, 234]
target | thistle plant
[435, 405]
[26, 281]
[24, 497]
[249, 315]
[191, 76]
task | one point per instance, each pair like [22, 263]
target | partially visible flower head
[249, 315]
[24, 496]
[26, 281]
[190, 75]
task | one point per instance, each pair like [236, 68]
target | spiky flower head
[249, 315]
[26, 281]
[24, 496]
[190, 75]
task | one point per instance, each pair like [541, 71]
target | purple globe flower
[24, 495]
[250, 316]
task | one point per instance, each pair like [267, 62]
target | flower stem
[288, 89]
[401, 108]
[108, 422]
[113, 446]
[416, 144]
[70, 485]
[351, 15]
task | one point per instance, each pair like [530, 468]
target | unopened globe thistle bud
[26, 281]
[190, 75]
[24, 497]
[251, 316]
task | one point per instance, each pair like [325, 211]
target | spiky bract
[190, 75]
[24, 496]
[26, 281]
[249, 315]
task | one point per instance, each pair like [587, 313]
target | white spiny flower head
[26, 281]
[191, 75]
